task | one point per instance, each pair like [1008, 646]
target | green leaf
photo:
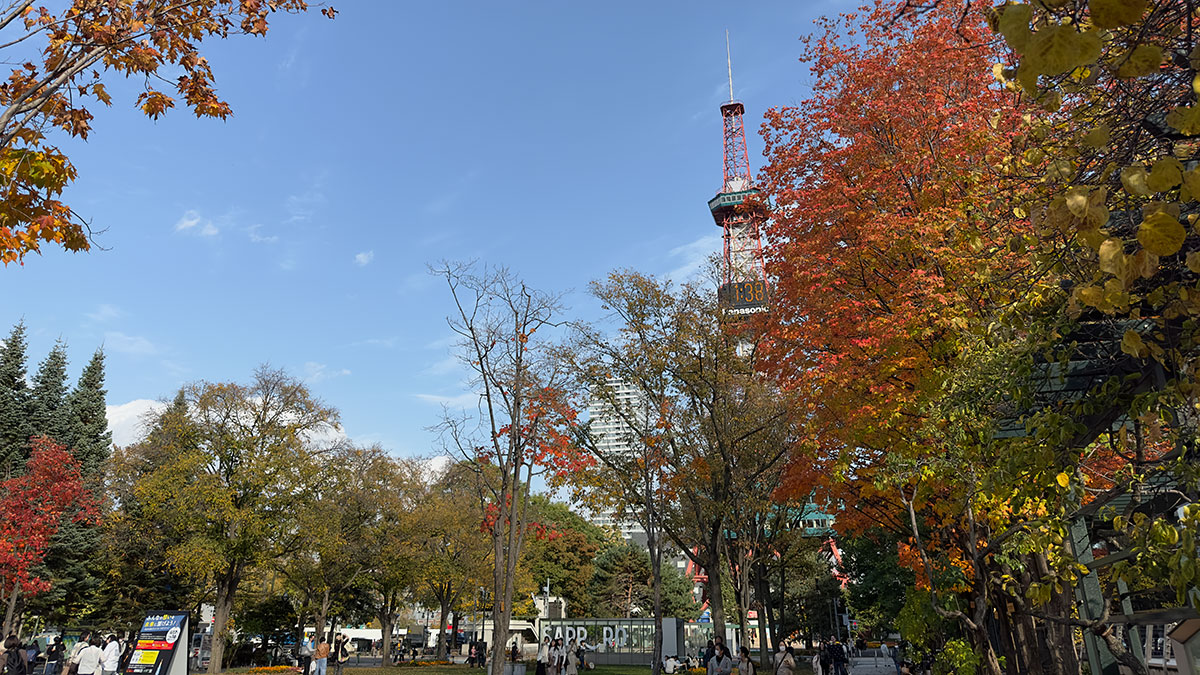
[1058, 48]
[1161, 234]
[1165, 174]
[1143, 60]
[1116, 13]
[1014, 26]
[1185, 119]
[1098, 137]
[1133, 345]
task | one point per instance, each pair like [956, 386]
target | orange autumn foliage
[886, 239]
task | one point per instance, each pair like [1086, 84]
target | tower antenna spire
[729, 64]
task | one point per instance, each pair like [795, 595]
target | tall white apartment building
[615, 437]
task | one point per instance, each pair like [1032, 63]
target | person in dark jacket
[837, 653]
[15, 659]
[56, 653]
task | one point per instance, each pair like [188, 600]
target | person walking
[304, 654]
[112, 656]
[473, 656]
[31, 653]
[785, 662]
[76, 650]
[320, 657]
[15, 659]
[892, 651]
[823, 651]
[720, 663]
[543, 656]
[745, 664]
[55, 653]
[513, 653]
[91, 659]
[341, 653]
[571, 660]
[558, 657]
[837, 654]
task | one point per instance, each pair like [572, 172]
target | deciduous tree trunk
[227, 584]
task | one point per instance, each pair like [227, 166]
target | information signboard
[163, 634]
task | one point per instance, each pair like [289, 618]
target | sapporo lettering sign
[610, 636]
[161, 636]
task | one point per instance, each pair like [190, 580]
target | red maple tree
[33, 505]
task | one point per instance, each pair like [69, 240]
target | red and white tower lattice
[744, 286]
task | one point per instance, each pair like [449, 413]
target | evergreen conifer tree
[48, 396]
[14, 402]
[87, 431]
[73, 561]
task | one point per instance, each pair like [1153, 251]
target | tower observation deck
[744, 284]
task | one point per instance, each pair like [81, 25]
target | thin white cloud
[105, 312]
[253, 232]
[446, 366]
[386, 343]
[317, 372]
[443, 342]
[692, 256]
[461, 401]
[192, 222]
[303, 206]
[127, 421]
[363, 259]
[129, 344]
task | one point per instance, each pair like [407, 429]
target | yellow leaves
[1116, 13]
[1133, 179]
[1191, 185]
[1133, 345]
[1014, 26]
[1166, 173]
[101, 94]
[1058, 48]
[1112, 257]
[1185, 119]
[1193, 262]
[155, 103]
[1063, 479]
[1143, 60]
[1161, 234]
[1098, 137]
[1077, 201]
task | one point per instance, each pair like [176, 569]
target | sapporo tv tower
[743, 289]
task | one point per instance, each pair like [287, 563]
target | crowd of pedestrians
[315, 653]
[92, 654]
[556, 658]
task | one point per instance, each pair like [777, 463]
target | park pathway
[871, 665]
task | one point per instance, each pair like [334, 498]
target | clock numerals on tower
[742, 294]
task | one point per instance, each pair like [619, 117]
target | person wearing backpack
[76, 650]
[15, 660]
[91, 658]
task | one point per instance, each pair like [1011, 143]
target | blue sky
[562, 139]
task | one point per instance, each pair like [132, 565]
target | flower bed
[266, 670]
